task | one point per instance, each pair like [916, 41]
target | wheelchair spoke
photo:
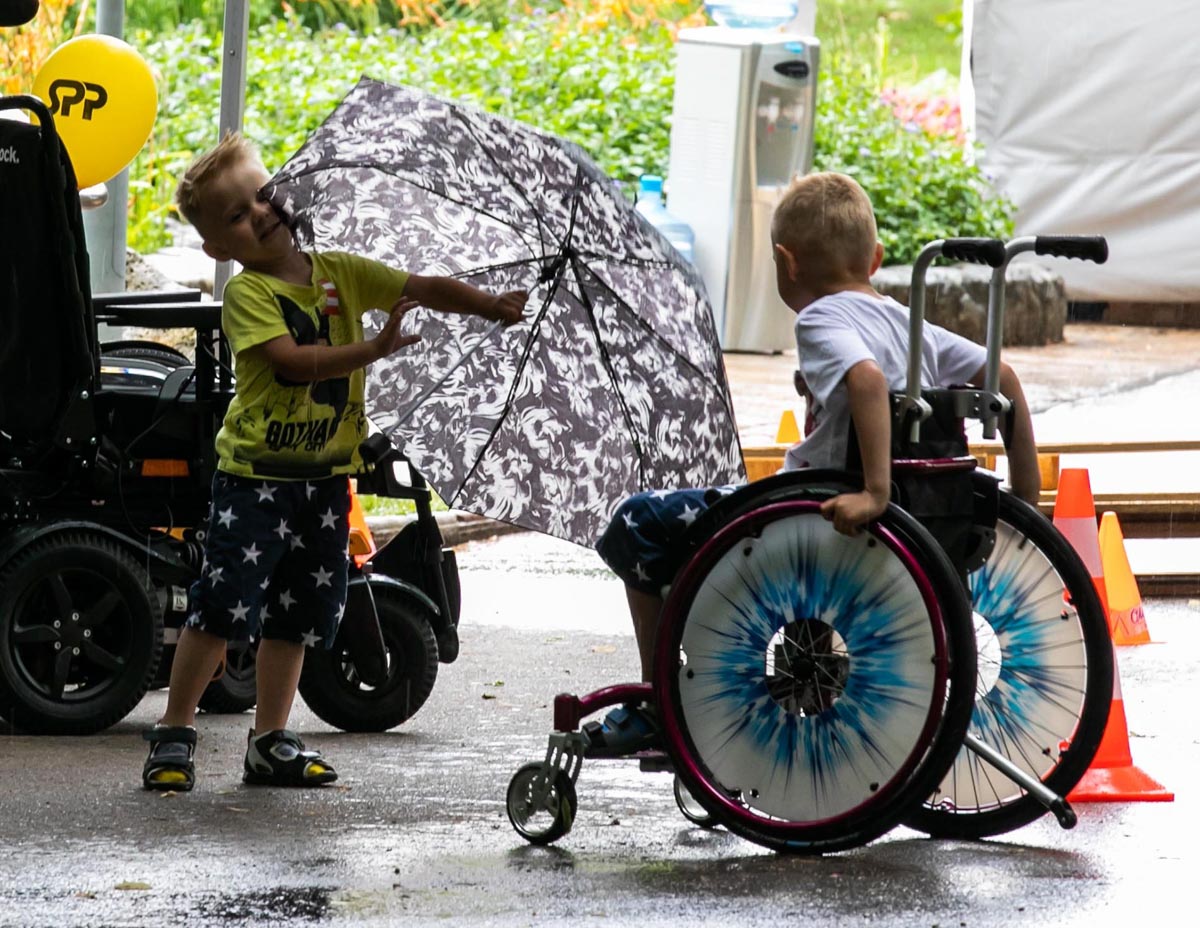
[102, 610]
[62, 672]
[62, 595]
[101, 657]
[34, 634]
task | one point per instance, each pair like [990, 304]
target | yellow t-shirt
[280, 430]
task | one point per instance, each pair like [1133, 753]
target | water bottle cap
[651, 183]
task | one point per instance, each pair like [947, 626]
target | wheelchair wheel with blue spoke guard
[1045, 679]
[813, 686]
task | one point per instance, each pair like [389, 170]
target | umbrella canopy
[614, 383]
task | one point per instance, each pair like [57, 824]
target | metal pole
[104, 227]
[233, 96]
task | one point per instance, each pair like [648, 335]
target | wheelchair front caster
[691, 809]
[541, 806]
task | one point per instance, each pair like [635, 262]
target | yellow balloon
[103, 99]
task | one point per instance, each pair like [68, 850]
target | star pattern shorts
[275, 560]
[642, 543]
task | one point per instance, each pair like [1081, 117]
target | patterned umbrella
[613, 384]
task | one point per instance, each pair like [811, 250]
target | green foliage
[599, 89]
[607, 89]
[923, 187]
[925, 36]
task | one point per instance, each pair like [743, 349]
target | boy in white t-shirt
[852, 348]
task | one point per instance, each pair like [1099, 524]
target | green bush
[599, 89]
[923, 187]
[609, 90]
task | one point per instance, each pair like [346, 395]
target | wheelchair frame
[102, 524]
[808, 748]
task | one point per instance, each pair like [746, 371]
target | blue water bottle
[751, 14]
[650, 204]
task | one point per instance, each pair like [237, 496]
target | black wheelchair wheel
[236, 690]
[146, 351]
[332, 688]
[813, 686]
[80, 636]
[1045, 679]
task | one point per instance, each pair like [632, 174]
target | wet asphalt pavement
[415, 832]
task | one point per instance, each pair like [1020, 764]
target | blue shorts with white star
[275, 560]
[642, 543]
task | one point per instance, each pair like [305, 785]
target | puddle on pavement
[310, 903]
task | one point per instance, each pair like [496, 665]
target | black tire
[236, 690]
[89, 670]
[147, 351]
[896, 561]
[556, 815]
[332, 689]
[1046, 679]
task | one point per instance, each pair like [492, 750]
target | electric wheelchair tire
[145, 351]
[813, 687]
[80, 637]
[1045, 679]
[236, 690]
[331, 687]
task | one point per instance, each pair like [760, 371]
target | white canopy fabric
[1089, 114]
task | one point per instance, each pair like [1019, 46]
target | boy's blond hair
[231, 150]
[826, 222]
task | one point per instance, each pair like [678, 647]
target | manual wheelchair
[950, 668]
[106, 462]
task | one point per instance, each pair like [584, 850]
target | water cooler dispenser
[742, 129]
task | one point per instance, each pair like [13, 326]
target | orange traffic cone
[1075, 518]
[1126, 621]
[789, 431]
[362, 542]
[1112, 777]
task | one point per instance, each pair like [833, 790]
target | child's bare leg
[277, 669]
[645, 610]
[196, 658]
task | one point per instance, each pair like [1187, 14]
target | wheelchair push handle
[1085, 247]
[986, 251]
[989, 251]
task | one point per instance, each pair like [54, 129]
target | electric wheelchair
[950, 668]
[106, 461]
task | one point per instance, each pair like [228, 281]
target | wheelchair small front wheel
[541, 812]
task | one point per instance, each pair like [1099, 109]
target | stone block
[956, 297]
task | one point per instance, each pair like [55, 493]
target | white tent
[1088, 114]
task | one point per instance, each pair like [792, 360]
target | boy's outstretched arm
[447, 295]
[870, 414]
[1016, 429]
[313, 363]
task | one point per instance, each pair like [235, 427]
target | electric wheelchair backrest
[48, 352]
[122, 431]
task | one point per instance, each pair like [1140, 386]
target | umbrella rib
[612, 374]
[535, 328]
[559, 267]
[416, 404]
[499, 167]
[684, 359]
